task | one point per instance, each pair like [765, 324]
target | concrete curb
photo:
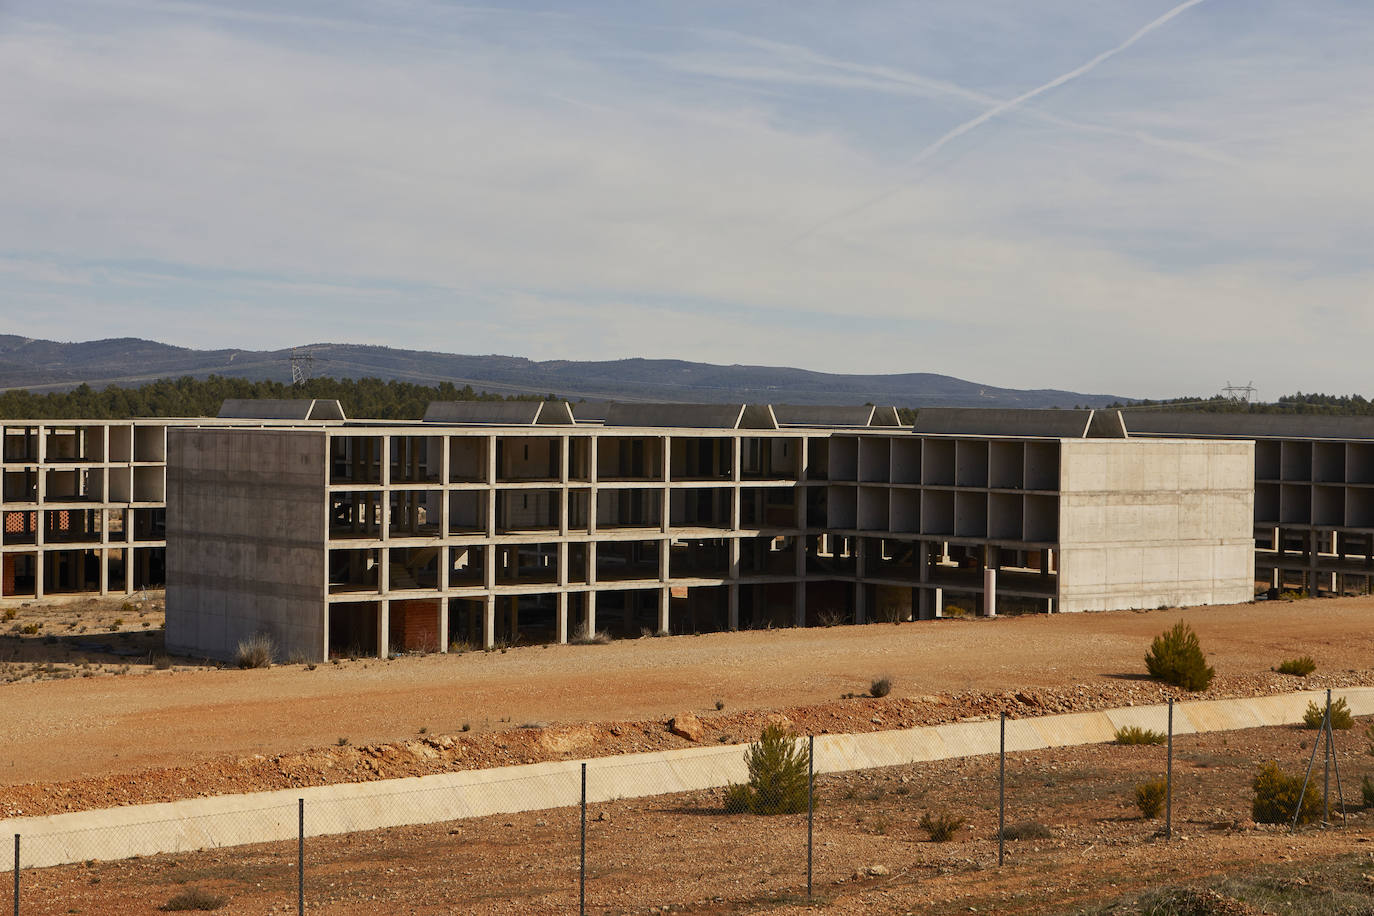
[260, 817]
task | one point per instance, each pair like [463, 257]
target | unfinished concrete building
[83, 502]
[1314, 492]
[505, 523]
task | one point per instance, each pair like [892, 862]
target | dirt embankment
[426, 753]
[156, 734]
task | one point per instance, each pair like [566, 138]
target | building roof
[829, 416]
[1025, 423]
[1246, 425]
[281, 409]
[500, 413]
[690, 416]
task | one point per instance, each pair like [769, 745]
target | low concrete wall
[234, 820]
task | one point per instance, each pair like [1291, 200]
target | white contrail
[1002, 108]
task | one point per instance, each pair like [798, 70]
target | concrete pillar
[104, 568]
[488, 620]
[990, 592]
[561, 618]
[443, 625]
[384, 629]
[665, 598]
[799, 604]
[589, 616]
[860, 597]
[938, 598]
[732, 590]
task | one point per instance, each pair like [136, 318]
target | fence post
[582, 855]
[1002, 795]
[300, 859]
[1169, 780]
[1326, 763]
[810, 805]
[16, 874]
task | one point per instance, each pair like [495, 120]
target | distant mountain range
[46, 365]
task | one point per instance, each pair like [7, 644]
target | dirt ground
[157, 733]
[1084, 843]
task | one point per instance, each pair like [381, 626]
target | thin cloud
[1001, 108]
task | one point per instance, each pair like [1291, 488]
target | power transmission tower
[302, 366]
[1240, 394]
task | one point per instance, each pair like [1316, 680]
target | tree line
[369, 398]
[373, 398]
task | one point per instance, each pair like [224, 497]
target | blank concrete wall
[1150, 523]
[246, 535]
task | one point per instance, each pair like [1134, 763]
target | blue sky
[757, 183]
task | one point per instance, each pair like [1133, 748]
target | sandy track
[76, 728]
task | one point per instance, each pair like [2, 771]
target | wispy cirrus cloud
[617, 181]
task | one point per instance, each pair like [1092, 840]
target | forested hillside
[187, 397]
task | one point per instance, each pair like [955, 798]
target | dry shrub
[942, 827]
[880, 687]
[1027, 830]
[1300, 667]
[257, 651]
[193, 898]
[1134, 734]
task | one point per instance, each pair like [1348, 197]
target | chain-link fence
[721, 830]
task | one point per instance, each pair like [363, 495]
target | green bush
[1150, 797]
[1134, 734]
[942, 827]
[193, 898]
[1341, 717]
[778, 779]
[1175, 657]
[1277, 796]
[1301, 666]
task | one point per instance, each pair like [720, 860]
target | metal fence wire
[782, 819]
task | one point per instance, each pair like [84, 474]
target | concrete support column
[860, 598]
[128, 567]
[799, 604]
[990, 592]
[665, 602]
[488, 621]
[443, 625]
[104, 569]
[1311, 583]
[938, 599]
[384, 629]
[589, 616]
[561, 618]
[732, 592]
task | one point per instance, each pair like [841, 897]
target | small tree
[1277, 797]
[1175, 657]
[1341, 717]
[778, 778]
[1150, 797]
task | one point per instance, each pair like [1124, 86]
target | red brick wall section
[415, 625]
[20, 522]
